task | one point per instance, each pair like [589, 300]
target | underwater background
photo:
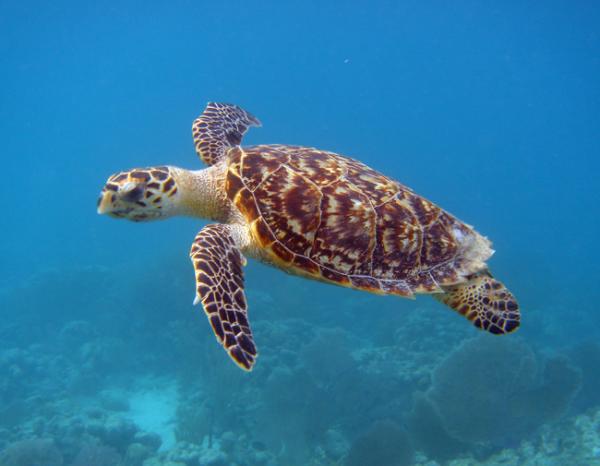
[489, 109]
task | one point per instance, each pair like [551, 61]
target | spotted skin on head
[139, 194]
[218, 129]
[220, 288]
[486, 302]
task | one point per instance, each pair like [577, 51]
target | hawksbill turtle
[312, 213]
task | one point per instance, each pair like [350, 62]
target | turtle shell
[332, 218]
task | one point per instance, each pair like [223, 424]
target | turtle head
[141, 194]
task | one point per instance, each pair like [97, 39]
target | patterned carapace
[335, 219]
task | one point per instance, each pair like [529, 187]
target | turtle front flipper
[220, 288]
[219, 128]
[484, 301]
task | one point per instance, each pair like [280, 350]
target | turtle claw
[196, 301]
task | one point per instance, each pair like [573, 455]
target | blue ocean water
[491, 110]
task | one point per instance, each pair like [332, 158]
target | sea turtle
[312, 213]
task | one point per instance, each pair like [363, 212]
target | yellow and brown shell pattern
[332, 218]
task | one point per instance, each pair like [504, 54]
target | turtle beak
[104, 203]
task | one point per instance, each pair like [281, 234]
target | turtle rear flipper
[219, 128]
[220, 288]
[484, 301]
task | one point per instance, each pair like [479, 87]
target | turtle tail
[484, 301]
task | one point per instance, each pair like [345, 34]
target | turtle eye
[133, 192]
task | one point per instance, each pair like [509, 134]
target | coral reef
[32, 452]
[428, 431]
[384, 444]
[96, 455]
[474, 389]
[572, 442]
[586, 356]
[137, 380]
[497, 391]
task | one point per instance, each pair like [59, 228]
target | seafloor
[104, 367]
